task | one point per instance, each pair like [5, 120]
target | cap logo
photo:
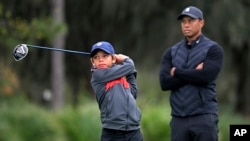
[187, 9]
[99, 44]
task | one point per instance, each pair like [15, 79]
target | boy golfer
[114, 83]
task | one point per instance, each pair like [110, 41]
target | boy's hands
[120, 58]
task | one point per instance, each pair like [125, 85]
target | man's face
[191, 28]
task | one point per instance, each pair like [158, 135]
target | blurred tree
[57, 77]
[228, 24]
[27, 22]
[240, 32]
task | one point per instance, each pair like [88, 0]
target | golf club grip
[58, 49]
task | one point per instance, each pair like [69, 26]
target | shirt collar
[194, 42]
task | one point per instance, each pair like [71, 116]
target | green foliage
[227, 118]
[23, 31]
[149, 91]
[15, 29]
[155, 123]
[20, 121]
[156, 113]
[8, 80]
[81, 124]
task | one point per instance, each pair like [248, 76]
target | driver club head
[20, 51]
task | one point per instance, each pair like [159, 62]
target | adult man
[189, 69]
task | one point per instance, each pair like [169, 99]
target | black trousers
[118, 135]
[194, 128]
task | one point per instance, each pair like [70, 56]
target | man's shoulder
[176, 45]
[180, 43]
[211, 44]
[208, 41]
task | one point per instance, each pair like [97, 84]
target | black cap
[192, 12]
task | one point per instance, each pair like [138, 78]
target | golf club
[21, 51]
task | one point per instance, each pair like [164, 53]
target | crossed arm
[173, 78]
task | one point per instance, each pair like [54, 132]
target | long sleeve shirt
[192, 90]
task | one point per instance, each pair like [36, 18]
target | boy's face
[102, 60]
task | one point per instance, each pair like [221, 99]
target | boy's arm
[131, 78]
[118, 70]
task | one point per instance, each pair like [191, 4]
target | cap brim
[93, 52]
[188, 14]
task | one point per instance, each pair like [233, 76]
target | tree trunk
[241, 58]
[58, 57]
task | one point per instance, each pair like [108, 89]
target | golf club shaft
[58, 49]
